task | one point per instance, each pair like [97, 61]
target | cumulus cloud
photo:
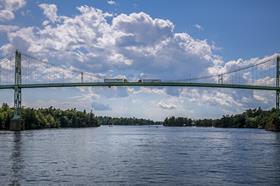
[6, 15]
[131, 46]
[141, 30]
[224, 100]
[128, 45]
[262, 74]
[8, 28]
[8, 7]
[50, 11]
[13, 4]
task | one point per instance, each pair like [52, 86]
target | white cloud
[146, 90]
[50, 11]
[198, 27]
[262, 74]
[13, 4]
[7, 49]
[8, 28]
[8, 8]
[111, 2]
[260, 98]
[139, 29]
[224, 100]
[168, 106]
[132, 46]
[6, 15]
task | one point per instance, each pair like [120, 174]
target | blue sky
[243, 29]
[159, 38]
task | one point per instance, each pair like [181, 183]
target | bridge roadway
[141, 84]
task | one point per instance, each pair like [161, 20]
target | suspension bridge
[22, 71]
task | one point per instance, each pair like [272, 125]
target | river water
[140, 155]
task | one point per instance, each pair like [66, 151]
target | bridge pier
[17, 123]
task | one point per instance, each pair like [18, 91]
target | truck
[148, 80]
[115, 80]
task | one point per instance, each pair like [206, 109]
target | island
[252, 118]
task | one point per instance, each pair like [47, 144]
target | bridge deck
[141, 84]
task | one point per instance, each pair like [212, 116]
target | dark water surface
[140, 155]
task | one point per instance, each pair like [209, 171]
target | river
[140, 155]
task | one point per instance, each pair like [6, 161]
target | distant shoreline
[48, 118]
[252, 118]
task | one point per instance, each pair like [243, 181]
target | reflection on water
[140, 155]
[16, 159]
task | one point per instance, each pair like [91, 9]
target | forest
[56, 118]
[48, 118]
[252, 118]
[42, 118]
[106, 120]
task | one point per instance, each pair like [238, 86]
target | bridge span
[140, 84]
[17, 124]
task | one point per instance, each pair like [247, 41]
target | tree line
[71, 118]
[56, 118]
[252, 118]
[48, 118]
[105, 120]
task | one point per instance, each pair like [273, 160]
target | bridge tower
[277, 81]
[17, 122]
